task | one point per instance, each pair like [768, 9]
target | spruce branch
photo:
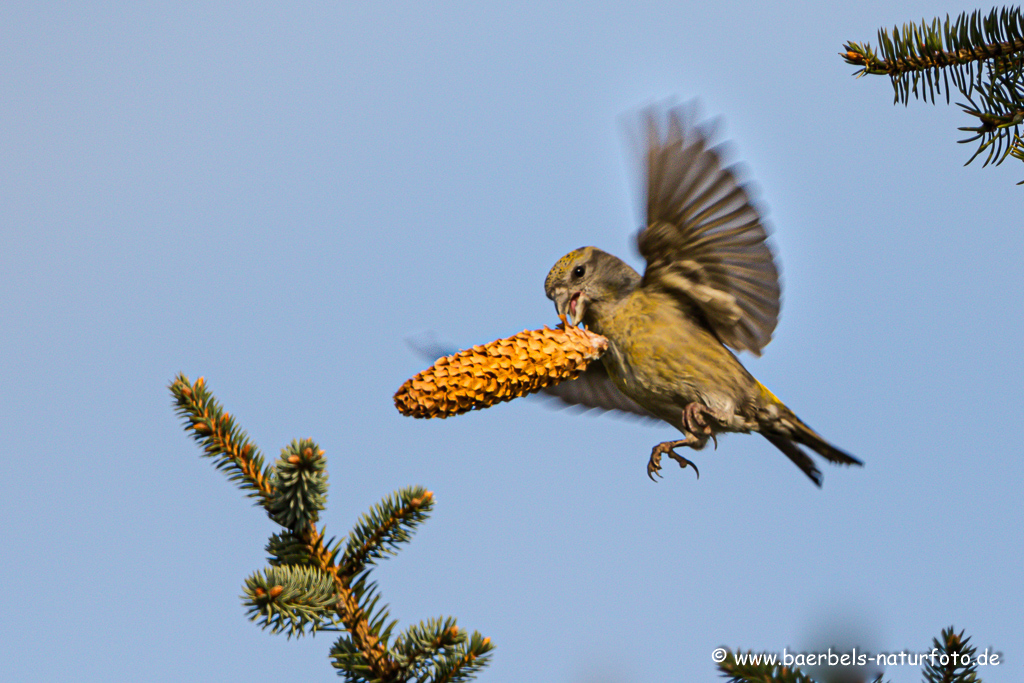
[287, 549]
[982, 54]
[292, 600]
[435, 651]
[422, 642]
[221, 438]
[354, 606]
[929, 47]
[462, 665]
[439, 652]
[300, 486]
[390, 522]
[950, 667]
[759, 672]
[306, 589]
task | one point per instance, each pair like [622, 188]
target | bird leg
[697, 430]
[695, 421]
[666, 448]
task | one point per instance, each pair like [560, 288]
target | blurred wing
[595, 389]
[704, 243]
[429, 348]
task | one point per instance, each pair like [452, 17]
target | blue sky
[276, 199]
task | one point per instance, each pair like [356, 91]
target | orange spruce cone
[500, 371]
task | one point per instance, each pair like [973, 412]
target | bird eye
[578, 271]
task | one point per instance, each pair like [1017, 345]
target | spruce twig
[221, 438]
[312, 584]
[951, 666]
[984, 57]
[380, 531]
[760, 672]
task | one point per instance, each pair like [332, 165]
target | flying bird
[710, 285]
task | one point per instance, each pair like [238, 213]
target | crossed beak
[573, 307]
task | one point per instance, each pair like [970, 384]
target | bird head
[585, 279]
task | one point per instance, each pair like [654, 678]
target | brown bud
[499, 371]
[276, 590]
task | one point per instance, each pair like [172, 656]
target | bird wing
[704, 242]
[594, 389]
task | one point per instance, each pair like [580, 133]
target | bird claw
[683, 462]
[654, 466]
[667, 448]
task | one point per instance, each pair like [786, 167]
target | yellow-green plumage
[664, 359]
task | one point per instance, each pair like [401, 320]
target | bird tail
[799, 458]
[803, 434]
[785, 430]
